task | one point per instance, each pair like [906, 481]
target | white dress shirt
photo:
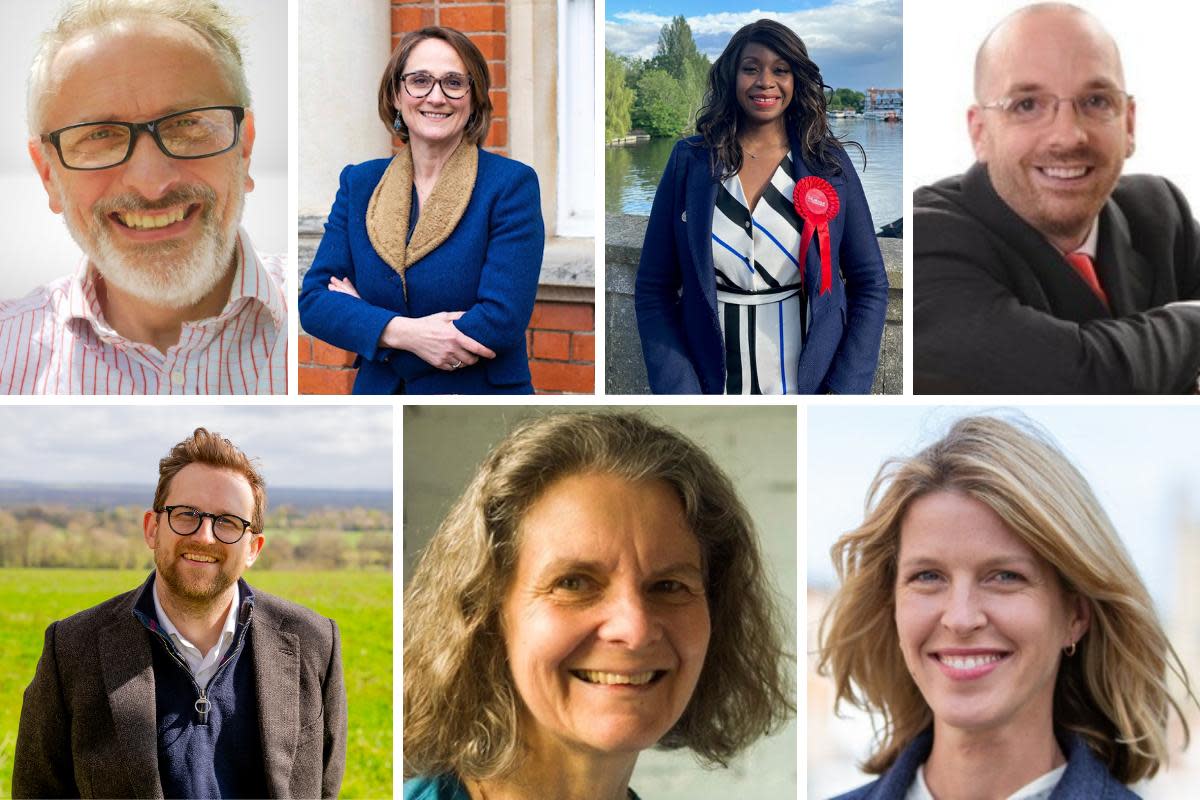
[202, 665]
[56, 340]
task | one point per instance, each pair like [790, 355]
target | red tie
[1082, 263]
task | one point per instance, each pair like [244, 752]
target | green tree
[848, 98]
[679, 57]
[661, 108]
[676, 48]
[618, 98]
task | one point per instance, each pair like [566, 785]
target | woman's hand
[433, 339]
[344, 286]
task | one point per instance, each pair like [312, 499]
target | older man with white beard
[141, 133]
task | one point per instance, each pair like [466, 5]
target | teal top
[439, 787]
[446, 787]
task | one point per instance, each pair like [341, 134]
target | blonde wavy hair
[461, 709]
[1113, 692]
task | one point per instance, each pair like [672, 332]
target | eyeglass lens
[188, 134]
[1098, 106]
[454, 85]
[186, 520]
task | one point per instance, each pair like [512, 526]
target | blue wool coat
[676, 289]
[488, 268]
[1085, 779]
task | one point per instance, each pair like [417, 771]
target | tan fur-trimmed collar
[391, 203]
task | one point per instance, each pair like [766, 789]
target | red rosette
[817, 203]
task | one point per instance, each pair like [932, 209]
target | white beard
[170, 274]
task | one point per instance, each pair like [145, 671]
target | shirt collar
[1091, 242]
[250, 280]
[227, 630]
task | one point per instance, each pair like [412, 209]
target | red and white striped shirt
[56, 341]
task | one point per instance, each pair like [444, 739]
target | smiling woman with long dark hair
[760, 272]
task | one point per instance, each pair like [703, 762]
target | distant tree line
[847, 99]
[663, 95]
[58, 536]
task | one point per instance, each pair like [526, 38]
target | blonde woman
[990, 616]
[596, 591]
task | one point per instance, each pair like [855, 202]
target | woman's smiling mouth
[618, 678]
[964, 666]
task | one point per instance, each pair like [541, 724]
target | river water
[632, 172]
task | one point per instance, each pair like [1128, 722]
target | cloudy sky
[298, 446]
[856, 43]
[1140, 468]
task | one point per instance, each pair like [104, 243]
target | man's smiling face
[198, 570]
[1058, 175]
[162, 229]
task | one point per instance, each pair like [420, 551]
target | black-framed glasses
[1040, 108]
[195, 133]
[419, 84]
[186, 520]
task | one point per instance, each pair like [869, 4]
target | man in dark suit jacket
[194, 684]
[1042, 270]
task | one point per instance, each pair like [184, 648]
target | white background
[1157, 40]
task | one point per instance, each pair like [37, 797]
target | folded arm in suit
[344, 320]
[656, 294]
[42, 764]
[972, 334]
[508, 280]
[854, 363]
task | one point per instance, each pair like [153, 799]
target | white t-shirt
[1037, 789]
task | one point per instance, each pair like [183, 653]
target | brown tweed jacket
[88, 720]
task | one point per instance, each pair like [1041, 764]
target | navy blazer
[1085, 779]
[488, 268]
[676, 289]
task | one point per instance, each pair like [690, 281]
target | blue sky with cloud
[856, 43]
[331, 447]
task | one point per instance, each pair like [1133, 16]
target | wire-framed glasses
[186, 520]
[419, 84]
[194, 133]
[1039, 108]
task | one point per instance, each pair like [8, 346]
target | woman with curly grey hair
[596, 591]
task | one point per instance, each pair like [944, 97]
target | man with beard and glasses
[194, 684]
[1042, 269]
[141, 132]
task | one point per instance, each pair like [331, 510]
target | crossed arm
[332, 308]
[972, 334]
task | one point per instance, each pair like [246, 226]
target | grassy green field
[360, 602]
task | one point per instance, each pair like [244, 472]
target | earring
[397, 124]
[1069, 650]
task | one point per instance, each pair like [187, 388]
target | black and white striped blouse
[761, 302]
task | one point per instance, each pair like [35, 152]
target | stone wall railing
[625, 372]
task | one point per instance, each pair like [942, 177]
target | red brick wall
[561, 336]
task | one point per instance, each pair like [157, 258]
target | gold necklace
[753, 155]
